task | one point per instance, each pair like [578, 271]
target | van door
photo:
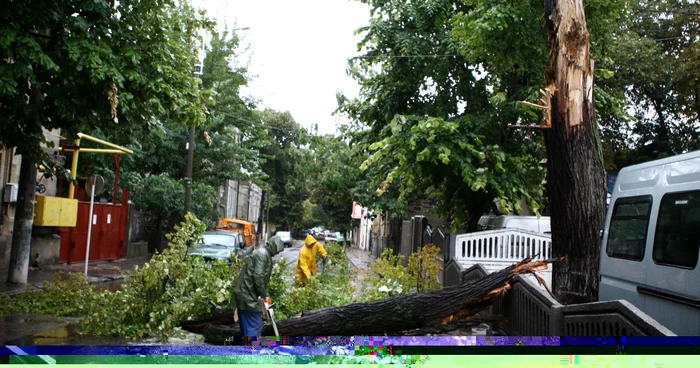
[623, 250]
[672, 289]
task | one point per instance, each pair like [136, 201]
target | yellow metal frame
[116, 149]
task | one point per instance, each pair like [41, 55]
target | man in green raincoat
[252, 284]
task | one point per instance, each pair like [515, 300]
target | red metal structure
[108, 236]
[109, 220]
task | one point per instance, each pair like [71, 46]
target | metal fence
[530, 311]
[498, 249]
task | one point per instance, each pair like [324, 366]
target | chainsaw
[271, 314]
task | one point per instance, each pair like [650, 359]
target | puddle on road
[36, 329]
[66, 335]
[69, 334]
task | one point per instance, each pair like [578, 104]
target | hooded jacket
[307, 258]
[254, 278]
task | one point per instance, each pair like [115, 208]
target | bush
[153, 300]
[424, 268]
[388, 276]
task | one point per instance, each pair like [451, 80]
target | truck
[239, 226]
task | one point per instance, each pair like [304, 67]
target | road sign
[99, 183]
[356, 211]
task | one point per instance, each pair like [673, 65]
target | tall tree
[576, 183]
[78, 65]
[414, 66]
[286, 187]
[333, 190]
[226, 147]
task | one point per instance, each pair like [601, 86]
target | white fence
[498, 249]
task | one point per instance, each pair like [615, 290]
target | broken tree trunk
[576, 179]
[395, 314]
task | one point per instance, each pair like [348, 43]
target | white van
[531, 223]
[651, 239]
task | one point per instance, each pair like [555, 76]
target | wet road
[292, 256]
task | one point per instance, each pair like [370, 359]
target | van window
[677, 238]
[627, 234]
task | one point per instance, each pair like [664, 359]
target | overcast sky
[298, 52]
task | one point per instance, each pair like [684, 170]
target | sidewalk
[98, 272]
[360, 259]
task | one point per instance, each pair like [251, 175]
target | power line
[667, 11]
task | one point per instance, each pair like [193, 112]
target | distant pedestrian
[251, 286]
[306, 266]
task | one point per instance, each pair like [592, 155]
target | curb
[92, 280]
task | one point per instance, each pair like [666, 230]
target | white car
[286, 237]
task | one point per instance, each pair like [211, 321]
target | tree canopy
[81, 65]
[442, 79]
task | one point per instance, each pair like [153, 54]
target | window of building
[627, 235]
[677, 238]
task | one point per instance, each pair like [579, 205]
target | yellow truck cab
[239, 226]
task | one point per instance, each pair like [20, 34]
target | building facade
[44, 241]
[241, 200]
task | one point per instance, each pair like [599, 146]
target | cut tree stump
[396, 314]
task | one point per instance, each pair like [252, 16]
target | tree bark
[401, 313]
[18, 266]
[576, 178]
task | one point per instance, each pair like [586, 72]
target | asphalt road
[292, 256]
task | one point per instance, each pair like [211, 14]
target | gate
[107, 240]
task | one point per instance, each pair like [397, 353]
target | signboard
[356, 211]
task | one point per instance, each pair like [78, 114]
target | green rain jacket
[255, 276]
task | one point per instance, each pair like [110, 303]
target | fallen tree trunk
[469, 322]
[401, 313]
[218, 317]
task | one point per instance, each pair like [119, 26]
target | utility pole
[198, 71]
[188, 180]
[575, 174]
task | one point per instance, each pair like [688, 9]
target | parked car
[540, 225]
[651, 241]
[319, 235]
[331, 236]
[286, 237]
[220, 245]
[340, 238]
[301, 234]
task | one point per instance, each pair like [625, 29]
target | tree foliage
[226, 147]
[462, 66]
[332, 190]
[286, 168]
[88, 64]
[176, 287]
[412, 84]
